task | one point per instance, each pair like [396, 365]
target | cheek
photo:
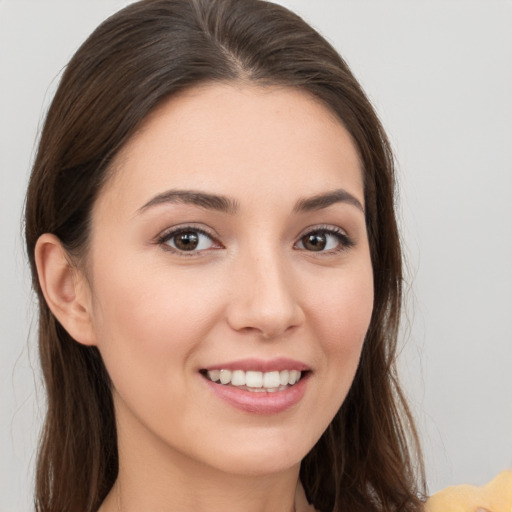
[344, 309]
[149, 326]
[342, 316]
[148, 322]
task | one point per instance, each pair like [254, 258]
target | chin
[260, 466]
[263, 455]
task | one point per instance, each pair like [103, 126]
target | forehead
[244, 141]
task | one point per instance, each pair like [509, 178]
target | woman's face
[230, 243]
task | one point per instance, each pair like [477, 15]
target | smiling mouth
[255, 381]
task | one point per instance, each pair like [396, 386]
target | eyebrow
[227, 205]
[201, 199]
[321, 201]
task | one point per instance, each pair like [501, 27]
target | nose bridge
[265, 298]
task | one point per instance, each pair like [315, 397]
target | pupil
[186, 241]
[315, 242]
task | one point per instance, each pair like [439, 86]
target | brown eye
[188, 240]
[314, 241]
[325, 240]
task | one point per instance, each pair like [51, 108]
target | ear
[65, 289]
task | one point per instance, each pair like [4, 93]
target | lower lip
[262, 402]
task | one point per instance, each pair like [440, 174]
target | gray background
[440, 76]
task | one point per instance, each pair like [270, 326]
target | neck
[252, 496]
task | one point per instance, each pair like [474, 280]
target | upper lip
[261, 365]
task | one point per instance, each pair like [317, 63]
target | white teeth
[214, 375]
[294, 377]
[256, 381]
[225, 376]
[271, 380]
[238, 378]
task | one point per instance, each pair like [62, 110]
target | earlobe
[64, 288]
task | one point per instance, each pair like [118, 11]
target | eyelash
[345, 242]
[170, 234]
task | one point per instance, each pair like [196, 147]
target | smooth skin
[173, 284]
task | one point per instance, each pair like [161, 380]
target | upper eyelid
[330, 228]
[168, 232]
[210, 232]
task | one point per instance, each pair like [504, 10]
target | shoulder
[496, 496]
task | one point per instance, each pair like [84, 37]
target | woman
[212, 238]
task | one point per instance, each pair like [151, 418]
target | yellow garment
[496, 496]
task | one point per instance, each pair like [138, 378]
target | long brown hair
[368, 459]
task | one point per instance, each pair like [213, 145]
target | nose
[264, 300]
